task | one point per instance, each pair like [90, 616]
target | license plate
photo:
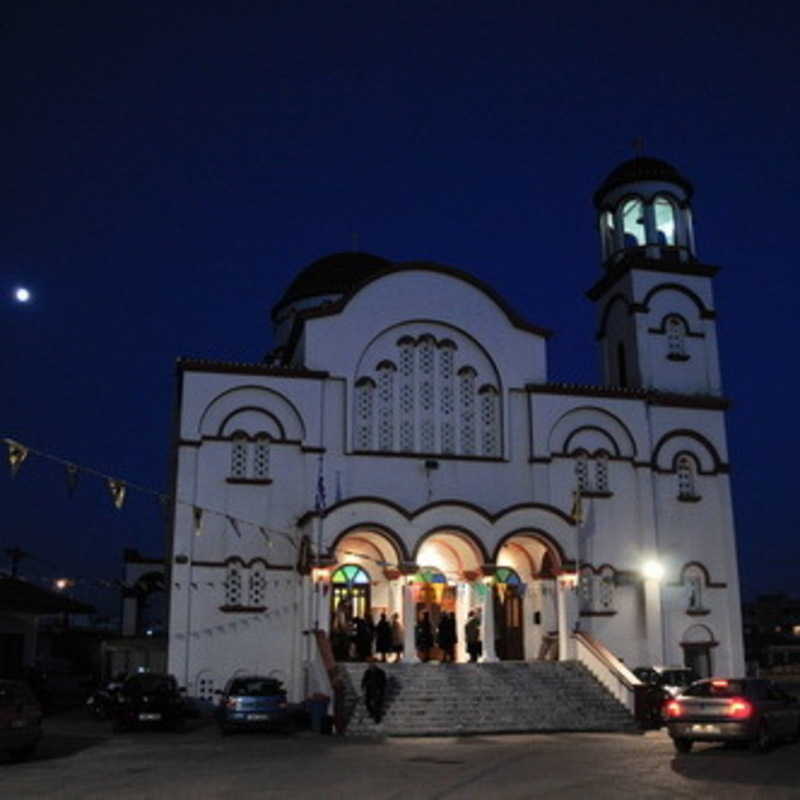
[258, 717]
[702, 728]
[149, 717]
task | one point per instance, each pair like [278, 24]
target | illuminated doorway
[350, 599]
[508, 615]
[431, 595]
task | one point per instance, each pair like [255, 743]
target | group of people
[356, 638]
[446, 638]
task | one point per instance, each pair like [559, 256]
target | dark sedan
[149, 699]
[20, 719]
[732, 710]
[253, 702]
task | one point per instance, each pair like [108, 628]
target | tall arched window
[466, 404]
[490, 417]
[261, 456]
[364, 403]
[684, 470]
[406, 401]
[427, 350]
[676, 337]
[239, 455]
[447, 397]
[386, 371]
[633, 222]
[664, 213]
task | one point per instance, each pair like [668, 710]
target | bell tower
[655, 309]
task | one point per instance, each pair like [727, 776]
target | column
[409, 623]
[487, 626]
[653, 622]
[567, 614]
[462, 609]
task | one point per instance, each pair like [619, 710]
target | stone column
[462, 609]
[409, 623]
[487, 627]
[653, 621]
[567, 615]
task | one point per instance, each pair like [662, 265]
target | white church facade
[403, 450]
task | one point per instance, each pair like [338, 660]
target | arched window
[364, 402]
[685, 472]
[694, 581]
[586, 589]
[582, 471]
[676, 337]
[233, 586]
[386, 372]
[256, 587]
[350, 590]
[239, 455]
[605, 591]
[427, 350]
[466, 403]
[406, 379]
[447, 397]
[664, 213]
[601, 471]
[633, 222]
[490, 417]
[261, 456]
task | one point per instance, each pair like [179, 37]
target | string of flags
[119, 489]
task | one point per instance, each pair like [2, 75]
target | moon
[22, 295]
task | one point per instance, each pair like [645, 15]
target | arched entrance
[698, 642]
[526, 616]
[434, 599]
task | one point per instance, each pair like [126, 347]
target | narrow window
[447, 397]
[426, 355]
[601, 472]
[633, 222]
[693, 581]
[490, 433]
[606, 589]
[386, 372]
[676, 337]
[466, 402]
[239, 453]
[586, 589]
[621, 365]
[684, 470]
[364, 401]
[261, 456]
[665, 220]
[233, 587]
[256, 588]
[582, 471]
[406, 378]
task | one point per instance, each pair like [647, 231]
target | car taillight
[673, 709]
[739, 708]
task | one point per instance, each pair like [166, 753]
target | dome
[338, 273]
[641, 169]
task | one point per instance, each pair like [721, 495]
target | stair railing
[325, 677]
[610, 671]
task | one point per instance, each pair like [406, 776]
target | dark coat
[424, 634]
[383, 636]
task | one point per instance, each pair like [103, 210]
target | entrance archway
[526, 616]
[698, 642]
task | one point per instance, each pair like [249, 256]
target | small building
[404, 450]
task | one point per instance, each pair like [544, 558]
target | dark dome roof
[338, 273]
[641, 169]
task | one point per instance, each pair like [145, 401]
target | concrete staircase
[509, 696]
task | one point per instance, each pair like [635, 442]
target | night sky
[169, 167]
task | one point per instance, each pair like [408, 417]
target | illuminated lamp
[653, 570]
[320, 574]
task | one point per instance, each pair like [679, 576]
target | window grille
[586, 589]
[364, 405]
[386, 408]
[239, 454]
[261, 457]
[256, 590]
[582, 472]
[447, 398]
[490, 435]
[466, 401]
[233, 587]
[676, 336]
[601, 472]
[685, 473]
[205, 687]
[606, 589]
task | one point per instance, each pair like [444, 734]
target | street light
[653, 570]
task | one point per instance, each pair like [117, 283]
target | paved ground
[80, 758]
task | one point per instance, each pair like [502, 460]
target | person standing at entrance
[383, 637]
[397, 637]
[446, 638]
[472, 635]
[424, 636]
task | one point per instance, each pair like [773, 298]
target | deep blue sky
[168, 168]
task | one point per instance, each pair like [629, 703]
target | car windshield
[677, 677]
[718, 688]
[150, 684]
[256, 687]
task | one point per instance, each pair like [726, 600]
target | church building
[403, 450]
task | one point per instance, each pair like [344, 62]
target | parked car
[748, 710]
[253, 702]
[671, 679]
[20, 719]
[149, 699]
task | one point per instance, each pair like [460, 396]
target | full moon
[22, 295]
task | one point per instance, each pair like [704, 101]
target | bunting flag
[117, 489]
[234, 523]
[72, 478]
[17, 453]
[197, 516]
[263, 531]
[577, 507]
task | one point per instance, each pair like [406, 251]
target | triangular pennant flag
[117, 489]
[17, 453]
[263, 532]
[234, 523]
[72, 479]
[577, 507]
[197, 516]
